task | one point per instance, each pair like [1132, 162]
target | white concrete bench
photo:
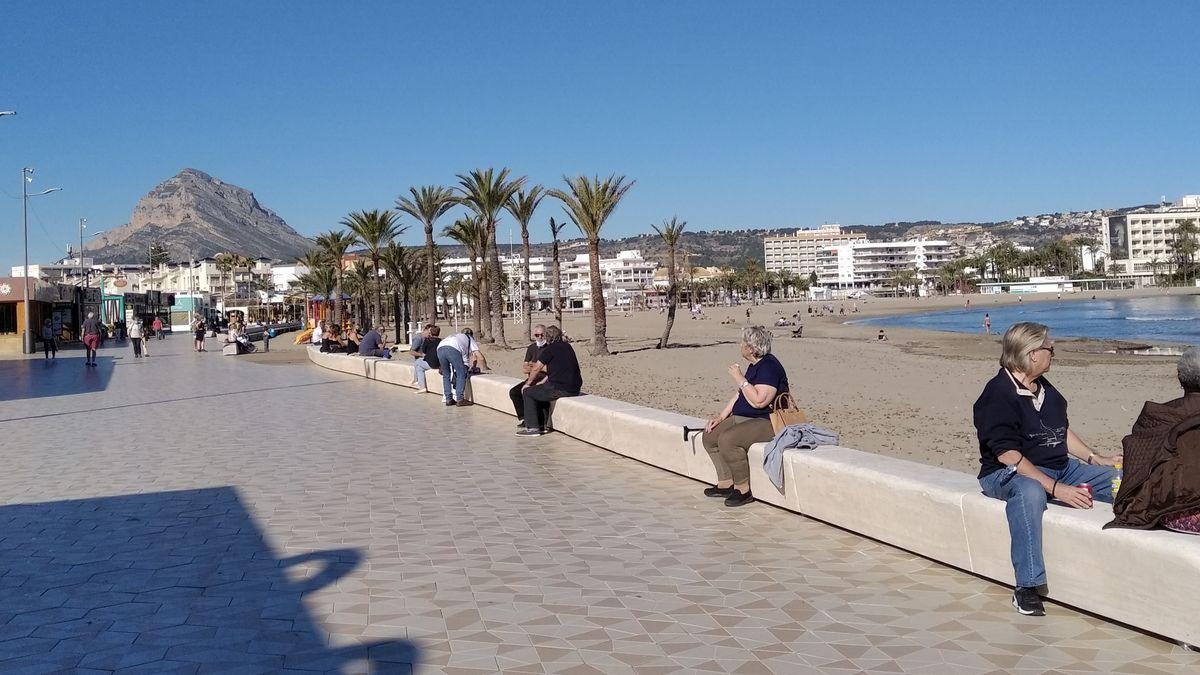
[1150, 580]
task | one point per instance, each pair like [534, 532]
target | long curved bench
[1148, 580]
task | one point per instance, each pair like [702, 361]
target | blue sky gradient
[727, 114]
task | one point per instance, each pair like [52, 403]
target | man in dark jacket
[1161, 481]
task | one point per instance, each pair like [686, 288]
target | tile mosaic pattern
[195, 513]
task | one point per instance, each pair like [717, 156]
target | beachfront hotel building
[1141, 240]
[874, 266]
[625, 276]
[798, 252]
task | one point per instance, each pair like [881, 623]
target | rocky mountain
[195, 214]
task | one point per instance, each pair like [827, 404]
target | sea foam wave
[1162, 318]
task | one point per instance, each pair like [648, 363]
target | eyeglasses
[539, 335]
[1049, 349]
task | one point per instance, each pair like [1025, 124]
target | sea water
[1169, 318]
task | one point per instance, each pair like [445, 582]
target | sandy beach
[909, 397]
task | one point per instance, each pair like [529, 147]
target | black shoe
[739, 498]
[1028, 602]
[530, 432]
[451, 402]
[719, 492]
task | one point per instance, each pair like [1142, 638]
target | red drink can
[1088, 488]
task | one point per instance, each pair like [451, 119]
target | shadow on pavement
[165, 582]
[40, 377]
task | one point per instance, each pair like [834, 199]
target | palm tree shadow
[674, 345]
[168, 581]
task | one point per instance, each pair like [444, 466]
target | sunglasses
[1049, 349]
[539, 335]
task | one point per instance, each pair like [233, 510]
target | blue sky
[727, 114]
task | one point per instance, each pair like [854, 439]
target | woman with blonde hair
[1029, 454]
[746, 418]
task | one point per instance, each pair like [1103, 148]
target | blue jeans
[453, 363]
[1025, 500]
[419, 368]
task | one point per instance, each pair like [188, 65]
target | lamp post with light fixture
[27, 339]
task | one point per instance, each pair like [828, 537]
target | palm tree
[334, 245]
[403, 267]
[319, 281]
[358, 287]
[485, 192]
[906, 281]
[1184, 247]
[374, 229]
[556, 279]
[427, 204]
[470, 233]
[588, 203]
[522, 205]
[670, 232]
[224, 266]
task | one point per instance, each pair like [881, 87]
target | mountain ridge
[193, 214]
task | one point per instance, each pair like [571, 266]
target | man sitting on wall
[559, 365]
[373, 345]
[532, 352]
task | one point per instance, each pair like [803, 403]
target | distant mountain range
[194, 214]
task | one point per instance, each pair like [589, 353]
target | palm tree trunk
[672, 297]
[485, 297]
[557, 281]
[378, 308]
[496, 293]
[528, 309]
[599, 317]
[477, 293]
[431, 273]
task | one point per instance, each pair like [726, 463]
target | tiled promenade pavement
[200, 513]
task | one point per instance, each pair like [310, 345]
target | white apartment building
[1140, 240]
[623, 276]
[797, 253]
[873, 266]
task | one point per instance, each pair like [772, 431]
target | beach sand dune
[909, 397]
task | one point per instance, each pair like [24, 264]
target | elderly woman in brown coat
[1161, 484]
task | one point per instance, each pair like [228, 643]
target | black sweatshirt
[1007, 417]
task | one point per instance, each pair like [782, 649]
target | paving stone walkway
[199, 513]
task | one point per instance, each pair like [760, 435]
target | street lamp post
[27, 341]
[81, 227]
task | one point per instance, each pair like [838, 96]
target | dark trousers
[518, 401]
[137, 347]
[50, 348]
[537, 401]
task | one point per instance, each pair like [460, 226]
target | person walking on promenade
[429, 358]
[746, 418]
[1029, 454]
[457, 354]
[557, 368]
[91, 338]
[531, 356]
[145, 327]
[48, 339]
[198, 332]
[135, 338]
[157, 327]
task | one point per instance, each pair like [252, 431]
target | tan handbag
[784, 411]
